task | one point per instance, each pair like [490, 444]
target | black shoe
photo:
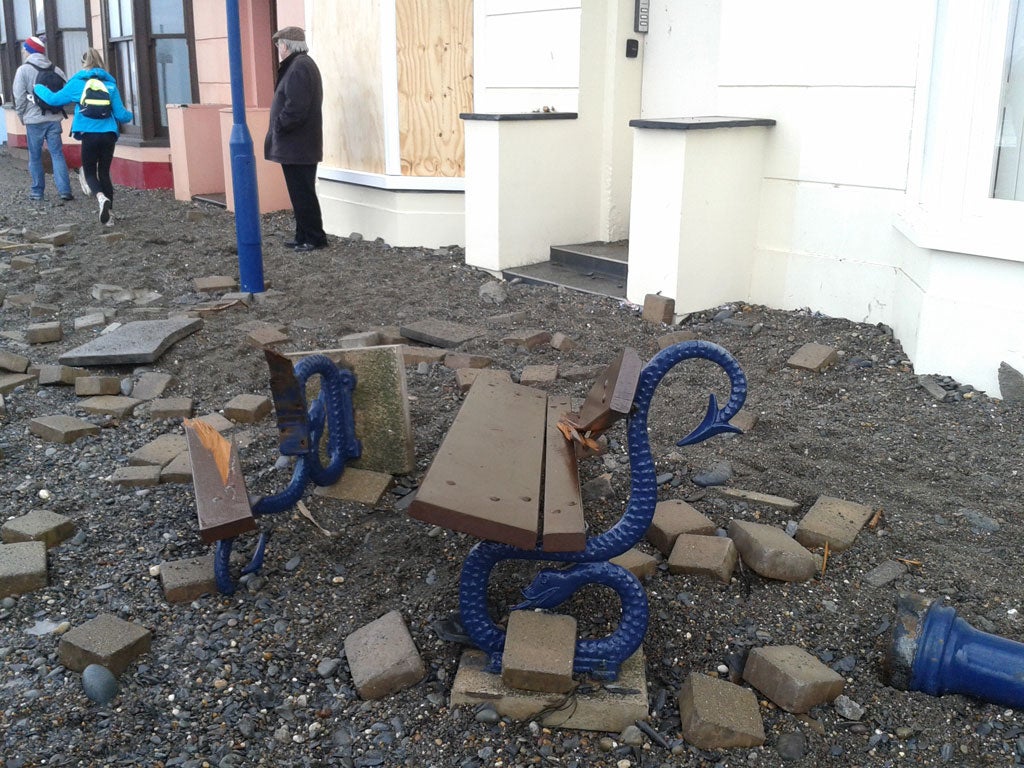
[304, 247]
[291, 243]
[67, 198]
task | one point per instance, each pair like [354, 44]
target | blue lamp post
[243, 168]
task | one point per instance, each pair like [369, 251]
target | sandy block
[61, 429]
[107, 640]
[465, 378]
[22, 567]
[159, 452]
[538, 375]
[833, 521]
[813, 357]
[215, 284]
[110, 405]
[412, 355]
[358, 485]
[637, 562]
[791, 677]
[383, 658]
[539, 652]
[713, 556]
[440, 333]
[658, 309]
[43, 333]
[171, 408]
[609, 709]
[179, 470]
[90, 386]
[717, 714]
[11, 381]
[528, 339]
[9, 361]
[136, 477]
[672, 518]
[38, 525]
[247, 408]
[185, 580]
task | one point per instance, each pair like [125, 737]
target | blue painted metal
[601, 658]
[243, 168]
[936, 652]
[333, 409]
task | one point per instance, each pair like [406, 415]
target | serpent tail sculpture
[333, 408]
[602, 658]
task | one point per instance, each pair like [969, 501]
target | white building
[888, 190]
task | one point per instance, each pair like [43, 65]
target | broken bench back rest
[506, 473]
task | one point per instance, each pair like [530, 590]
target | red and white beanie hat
[35, 45]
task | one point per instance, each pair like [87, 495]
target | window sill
[978, 236]
[137, 141]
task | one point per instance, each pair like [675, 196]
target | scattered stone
[171, 408]
[248, 409]
[539, 652]
[238, 297]
[19, 263]
[792, 746]
[12, 362]
[745, 420]
[676, 337]
[493, 292]
[60, 374]
[359, 340]
[412, 355]
[357, 485]
[10, 382]
[57, 239]
[440, 333]
[61, 429]
[507, 319]
[159, 452]
[138, 342]
[561, 342]
[152, 385]
[456, 360]
[717, 475]
[113, 237]
[38, 525]
[598, 488]
[716, 714]
[884, 573]
[582, 372]
[637, 562]
[383, 658]
[106, 640]
[110, 405]
[99, 683]
[792, 678]
[37, 309]
[538, 375]
[22, 567]
[215, 284]
[608, 709]
[136, 477]
[833, 521]
[673, 517]
[528, 339]
[88, 322]
[218, 422]
[658, 309]
[43, 333]
[90, 386]
[179, 470]
[267, 337]
[713, 556]
[771, 553]
[757, 499]
[813, 357]
[465, 378]
[930, 385]
[185, 580]
[847, 708]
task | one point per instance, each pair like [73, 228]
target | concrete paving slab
[440, 333]
[142, 341]
[38, 525]
[61, 429]
[22, 567]
[358, 485]
[110, 405]
[11, 381]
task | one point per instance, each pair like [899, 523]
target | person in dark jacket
[97, 124]
[295, 138]
[40, 127]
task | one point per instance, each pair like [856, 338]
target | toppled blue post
[936, 652]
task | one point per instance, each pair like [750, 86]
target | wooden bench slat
[486, 477]
[564, 525]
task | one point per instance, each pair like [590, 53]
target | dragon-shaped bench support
[601, 658]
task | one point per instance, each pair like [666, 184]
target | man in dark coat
[296, 137]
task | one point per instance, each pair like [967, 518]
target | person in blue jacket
[97, 124]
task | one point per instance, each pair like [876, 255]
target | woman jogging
[99, 113]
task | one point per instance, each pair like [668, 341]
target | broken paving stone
[412, 355]
[60, 374]
[59, 238]
[22, 567]
[658, 309]
[152, 385]
[186, 580]
[107, 640]
[440, 333]
[528, 339]
[757, 499]
[267, 337]
[676, 337]
[716, 714]
[38, 525]
[582, 372]
[1011, 383]
[179, 470]
[141, 341]
[383, 658]
[930, 385]
[561, 342]
[832, 521]
[538, 375]
[90, 386]
[771, 553]
[456, 360]
[37, 309]
[218, 422]
[636, 561]
[358, 485]
[884, 573]
[137, 477]
[465, 378]
[61, 429]
[813, 357]
[791, 677]
[159, 452]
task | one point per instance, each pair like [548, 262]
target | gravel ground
[259, 678]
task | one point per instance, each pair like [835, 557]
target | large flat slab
[142, 341]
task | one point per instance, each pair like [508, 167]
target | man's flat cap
[290, 33]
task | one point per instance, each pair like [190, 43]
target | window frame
[11, 47]
[148, 131]
[948, 204]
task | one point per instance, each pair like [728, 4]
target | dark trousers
[97, 155]
[309, 222]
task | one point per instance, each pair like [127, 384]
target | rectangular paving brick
[60, 374]
[358, 485]
[672, 518]
[440, 333]
[716, 714]
[110, 405]
[636, 561]
[538, 375]
[178, 471]
[248, 408]
[61, 428]
[713, 556]
[791, 677]
[159, 452]
[11, 381]
[539, 652]
[413, 355]
[813, 357]
[38, 525]
[106, 640]
[136, 477]
[455, 360]
[832, 520]
[659, 309]
[465, 378]
[171, 408]
[43, 333]
[90, 386]
[528, 339]
[9, 361]
[22, 567]
[753, 497]
[186, 580]
[382, 657]
[138, 342]
[151, 385]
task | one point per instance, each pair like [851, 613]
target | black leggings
[97, 155]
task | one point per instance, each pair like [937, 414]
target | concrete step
[609, 259]
[549, 273]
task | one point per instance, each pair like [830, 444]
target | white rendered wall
[836, 169]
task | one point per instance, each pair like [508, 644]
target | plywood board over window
[347, 47]
[435, 84]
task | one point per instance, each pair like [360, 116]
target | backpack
[95, 101]
[48, 76]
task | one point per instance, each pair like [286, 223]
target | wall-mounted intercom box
[641, 15]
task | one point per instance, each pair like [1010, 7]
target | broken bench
[507, 473]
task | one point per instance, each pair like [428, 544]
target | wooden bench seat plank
[486, 477]
[564, 526]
